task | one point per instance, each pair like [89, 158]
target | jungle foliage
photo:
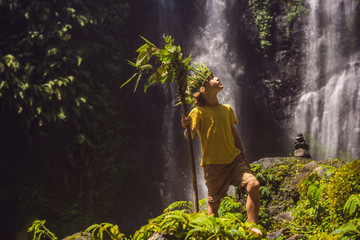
[329, 205]
[60, 120]
[177, 222]
[313, 214]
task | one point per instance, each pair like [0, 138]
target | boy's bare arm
[185, 122]
[238, 145]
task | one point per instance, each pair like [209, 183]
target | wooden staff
[191, 157]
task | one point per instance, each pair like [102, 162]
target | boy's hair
[199, 99]
[198, 80]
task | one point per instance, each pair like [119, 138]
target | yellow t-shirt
[213, 125]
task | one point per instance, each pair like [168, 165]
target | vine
[261, 10]
[264, 17]
[293, 9]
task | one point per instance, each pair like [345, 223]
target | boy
[224, 160]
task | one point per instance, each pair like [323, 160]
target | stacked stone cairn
[301, 147]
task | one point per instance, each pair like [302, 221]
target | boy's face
[213, 83]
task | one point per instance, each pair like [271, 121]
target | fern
[349, 231]
[179, 224]
[228, 205]
[175, 223]
[98, 230]
[352, 205]
[180, 205]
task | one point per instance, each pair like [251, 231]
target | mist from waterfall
[211, 47]
[328, 112]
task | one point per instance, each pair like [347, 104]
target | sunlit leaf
[79, 60]
[137, 82]
[129, 80]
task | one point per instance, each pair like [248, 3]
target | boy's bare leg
[213, 208]
[253, 203]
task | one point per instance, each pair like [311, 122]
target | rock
[284, 217]
[280, 233]
[79, 236]
[301, 147]
[321, 171]
[308, 169]
[301, 153]
[163, 236]
[156, 236]
[297, 237]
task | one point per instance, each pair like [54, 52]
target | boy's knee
[253, 186]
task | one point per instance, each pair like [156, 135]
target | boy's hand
[185, 121]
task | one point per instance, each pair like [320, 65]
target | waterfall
[211, 46]
[328, 112]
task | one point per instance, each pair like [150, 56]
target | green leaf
[314, 193]
[146, 67]
[143, 47]
[148, 42]
[79, 61]
[129, 80]
[137, 82]
[70, 10]
[352, 204]
[143, 57]
[82, 20]
[264, 191]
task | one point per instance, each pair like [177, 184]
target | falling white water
[211, 46]
[328, 112]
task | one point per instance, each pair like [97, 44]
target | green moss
[343, 184]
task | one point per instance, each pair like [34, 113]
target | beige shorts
[218, 178]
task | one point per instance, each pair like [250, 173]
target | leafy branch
[168, 66]
[40, 231]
